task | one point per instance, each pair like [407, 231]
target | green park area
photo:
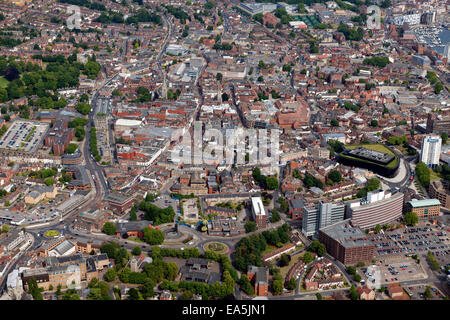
[376, 147]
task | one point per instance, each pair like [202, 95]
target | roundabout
[51, 234]
[216, 247]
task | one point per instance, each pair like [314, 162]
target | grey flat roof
[346, 235]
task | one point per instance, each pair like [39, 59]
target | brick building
[424, 208]
[119, 202]
[59, 136]
[347, 244]
[439, 190]
[260, 277]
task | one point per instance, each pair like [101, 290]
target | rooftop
[346, 235]
[424, 203]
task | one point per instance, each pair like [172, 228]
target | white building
[447, 52]
[258, 212]
[411, 19]
[431, 150]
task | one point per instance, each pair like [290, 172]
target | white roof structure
[128, 123]
[11, 282]
[258, 207]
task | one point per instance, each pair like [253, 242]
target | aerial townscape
[224, 149]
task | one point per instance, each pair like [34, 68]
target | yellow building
[40, 193]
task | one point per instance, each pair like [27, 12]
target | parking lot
[416, 292]
[24, 135]
[414, 241]
[392, 270]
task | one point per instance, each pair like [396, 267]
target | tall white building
[447, 52]
[431, 150]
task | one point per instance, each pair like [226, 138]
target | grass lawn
[434, 175]
[284, 270]
[269, 249]
[375, 147]
[402, 149]
[3, 82]
[136, 239]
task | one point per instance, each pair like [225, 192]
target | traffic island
[217, 247]
[51, 234]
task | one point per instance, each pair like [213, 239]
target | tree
[71, 148]
[58, 290]
[277, 287]
[438, 87]
[377, 228]
[318, 296]
[148, 288]
[250, 226]
[307, 257]
[374, 123]
[110, 275]
[92, 69]
[427, 294]
[49, 181]
[133, 215]
[423, 174]
[411, 218]
[95, 294]
[272, 183]
[83, 108]
[353, 293]
[171, 271]
[187, 295]
[133, 294]
[357, 277]
[275, 216]
[246, 286]
[444, 137]
[284, 260]
[335, 176]
[321, 250]
[219, 76]
[292, 284]
[5, 228]
[334, 122]
[109, 228]
[152, 236]
[313, 48]
[351, 270]
[136, 251]
[34, 290]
